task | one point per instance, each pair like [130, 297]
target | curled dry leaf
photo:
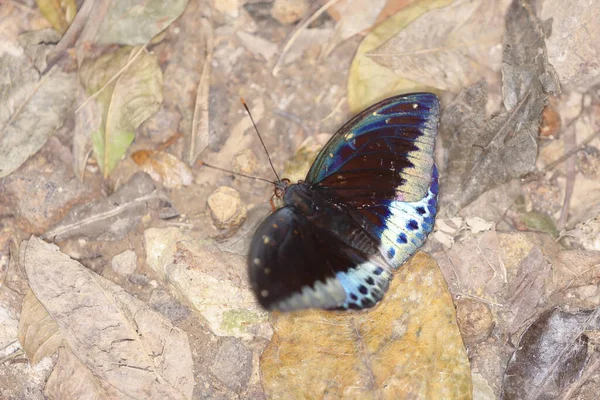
[368, 81]
[164, 167]
[447, 53]
[408, 346]
[127, 102]
[553, 356]
[129, 348]
[34, 106]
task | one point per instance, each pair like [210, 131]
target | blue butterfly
[367, 204]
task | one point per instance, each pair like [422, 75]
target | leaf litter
[494, 243]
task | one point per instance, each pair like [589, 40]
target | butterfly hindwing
[294, 264]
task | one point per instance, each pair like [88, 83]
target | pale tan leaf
[38, 333]
[448, 48]
[119, 339]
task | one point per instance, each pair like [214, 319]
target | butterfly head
[280, 188]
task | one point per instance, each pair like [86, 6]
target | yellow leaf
[407, 347]
[59, 13]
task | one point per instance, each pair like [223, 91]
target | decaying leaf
[112, 217]
[34, 106]
[553, 356]
[164, 167]
[38, 333]
[59, 13]
[369, 81]
[129, 348]
[126, 103]
[447, 53]
[408, 346]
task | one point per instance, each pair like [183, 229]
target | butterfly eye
[279, 192]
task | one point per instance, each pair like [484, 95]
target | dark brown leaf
[553, 355]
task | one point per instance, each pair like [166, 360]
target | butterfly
[367, 204]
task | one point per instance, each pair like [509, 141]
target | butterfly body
[368, 203]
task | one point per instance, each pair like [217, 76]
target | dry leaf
[553, 357]
[125, 345]
[448, 48]
[130, 100]
[70, 379]
[355, 17]
[59, 13]
[408, 346]
[38, 333]
[369, 82]
[34, 106]
[164, 167]
[129, 22]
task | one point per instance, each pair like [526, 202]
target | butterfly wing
[385, 152]
[294, 263]
[380, 168]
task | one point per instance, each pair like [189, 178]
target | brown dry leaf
[555, 358]
[38, 333]
[125, 345]
[368, 81]
[164, 167]
[408, 346]
[59, 13]
[448, 48]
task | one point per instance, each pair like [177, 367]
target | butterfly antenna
[235, 173]
[260, 138]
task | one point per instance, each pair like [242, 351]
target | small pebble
[124, 263]
[226, 208]
[474, 319]
[289, 11]
[245, 162]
